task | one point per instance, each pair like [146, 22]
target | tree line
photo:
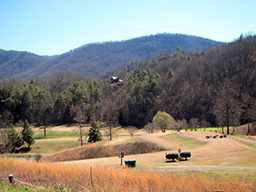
[214, 87]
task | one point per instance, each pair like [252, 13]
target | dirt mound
[94, 151]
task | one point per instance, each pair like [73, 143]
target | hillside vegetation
[97, 58]
[186, 85]
[15, 62]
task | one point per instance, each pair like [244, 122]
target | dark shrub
[130, 163]
[185, 155]
[172, 156]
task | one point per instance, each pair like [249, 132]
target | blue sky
[48, 27]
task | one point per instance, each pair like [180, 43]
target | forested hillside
[15, 62]
[217, 86]
[98, 58]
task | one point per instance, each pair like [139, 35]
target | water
[32, 159]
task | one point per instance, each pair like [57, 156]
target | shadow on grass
[183, 159]
[171, 161]
[174, 161]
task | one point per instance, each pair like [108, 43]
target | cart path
[208, 168]
[245, 140]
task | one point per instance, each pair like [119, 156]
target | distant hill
[50, 56]
[13, 63]
[98, 58]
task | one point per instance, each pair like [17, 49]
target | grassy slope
[53, 147]
[184, 143]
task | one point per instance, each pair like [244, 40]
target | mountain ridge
[97, 58]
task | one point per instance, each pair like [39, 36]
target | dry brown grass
[64, 176]
[251, 137]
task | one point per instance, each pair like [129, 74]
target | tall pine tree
[27, 134]
[94, 133]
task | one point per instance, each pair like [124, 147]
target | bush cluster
[177, 156]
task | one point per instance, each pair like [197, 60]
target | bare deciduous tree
[184, 124]
[47, 119]
[150, 128]
[193, 124]
[249, 112]
[110, 117]
[180, 124]
[79, 117]
[225, 106]
[204, 123]
[176, 126]
[132, 130]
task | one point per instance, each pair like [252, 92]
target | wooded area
[214, 87]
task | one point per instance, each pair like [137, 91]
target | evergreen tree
[170, 73]
[14, 138]
[94, 133]
[27, 134]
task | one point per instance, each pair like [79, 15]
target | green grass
[173, 137]
[60, 134]
[213, 129]
[46, 148]
[4, 187]
[15, 188]
[132, 140]
[190, 143]
[53, 147]
[19, 155]
[215, 164]
[54, 134]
